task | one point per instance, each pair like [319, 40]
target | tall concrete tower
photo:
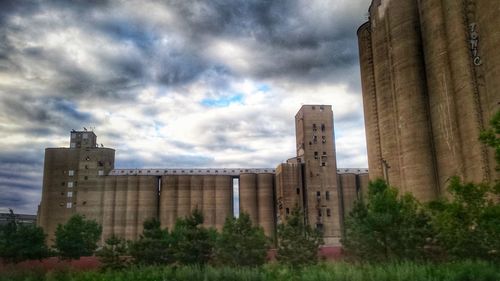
[73, 181]
[316, 150]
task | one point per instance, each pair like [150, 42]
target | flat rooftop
[214, 171]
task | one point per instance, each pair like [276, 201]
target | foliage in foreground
[19, 242]
[77, 238]
[152, 247]
[387, 227]
[240, 243]
[298, 243]
[458, 271]
[191, 243]
[468, 226]
[113, 254]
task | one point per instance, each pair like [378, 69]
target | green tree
[298, 243]
[113, 254]
[152, 247]
[19, 242]
[241, 243]
[77, 238]
[191, 242]
[387, 226]
[468, 225]
[490, 136]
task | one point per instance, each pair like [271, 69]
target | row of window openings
[315, 128]
[327, 195]
[69, 205]
[320, 213]
[321, 108]
[72, 172]
[315, 140]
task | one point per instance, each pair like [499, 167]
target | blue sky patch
[222, 101]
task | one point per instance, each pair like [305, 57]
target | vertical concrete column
[223, 200]
[265, 183]
[108, 207]
[120, 206]
[415, 136]
[386, 97]
[488, 22]
[196, 193]
[364, 180]
[168, 201]
[148, 200]
[209, 201]
[443, 113]
[131, 208]
[465, 92]
[349, 192]
[183, 196]
[370, 101]
[248, 196]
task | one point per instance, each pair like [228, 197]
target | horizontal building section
[190, 171]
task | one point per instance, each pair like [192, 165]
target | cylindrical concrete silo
[349, 194]
[168, 201]
[148, 200]
[408, 82]
[488, 22]
[196, 193]
[465, 92]
[209, 201]
[370, 101]
[265, 184]
[386, 96]
[443, 114]
[131, 210]
[248, 196]
[120, 206]
[183, 196]
[223, 200]
[108, 208]
[364, 180]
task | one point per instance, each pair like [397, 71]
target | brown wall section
[266, 215]
[223, 200]
[209, 200]
[248, 196]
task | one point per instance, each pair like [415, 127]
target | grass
[458, 271]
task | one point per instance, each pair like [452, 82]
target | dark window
[322, 127]
[86, 167]
[63, 183]
[85, 178]
[328, 213]
[327, 195]
[319, 213]
[314, 127]
[315, 139]
[87, 158]
[313, 107]
[298, 190]
[323, 164]
[323, 139]
[287, 211]
[319, 227]
[321, 108]
[318, 195]
[324, 153]
[315, 155]
[100, 163]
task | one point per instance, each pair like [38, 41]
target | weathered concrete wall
[432, 68]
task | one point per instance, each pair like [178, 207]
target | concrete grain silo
[183, 196]
[132, 208]
[223, 200]
[248, 196]
[168, 201]
[196, 193]
[108, 207]
[120, 204]
[147, 202]
[265, 203]
[209, 200]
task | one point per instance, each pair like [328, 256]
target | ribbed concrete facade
[430, 81]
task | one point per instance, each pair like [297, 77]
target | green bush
[152, 247]
[408, 271]
[77, 238]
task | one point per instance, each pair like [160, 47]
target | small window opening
[322, 127]
[318, 195]
[314, 128]
[287, 211]
[328, 213]
[319, 213]
[298, 190]
[327, 195]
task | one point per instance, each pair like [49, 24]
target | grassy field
[459, 271]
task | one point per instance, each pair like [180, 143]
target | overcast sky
[174, 83]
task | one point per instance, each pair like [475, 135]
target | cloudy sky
[174, 83]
